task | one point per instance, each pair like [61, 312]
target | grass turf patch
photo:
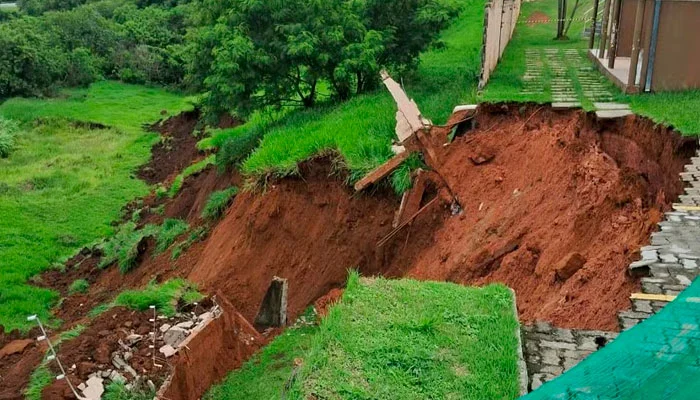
[393, 339]
[165, 296]
[676, 109]
[361, 129]
[218, 203]
[65, 183]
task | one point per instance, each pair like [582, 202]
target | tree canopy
[261, 53]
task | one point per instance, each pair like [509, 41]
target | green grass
[218, 203]
[123, 246]
[169, 231]
[195, 235]
[506, 81]
[193, 169]
[164, 296]
[677, 109]
[40, 378]
[361, 129]
[79, 286]
[393, 340]
[64, 184]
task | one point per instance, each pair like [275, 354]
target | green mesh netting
[657, 359]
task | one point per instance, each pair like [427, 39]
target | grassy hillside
[398, 339]
[65, 183]
[361, 129]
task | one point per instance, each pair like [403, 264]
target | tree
[29, 63]
[255, 54]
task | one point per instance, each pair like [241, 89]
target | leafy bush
[169, 231]
[83, 69]
[8, 129]
[29, 63]
[79, 286]
[218, 203]
[165, 296]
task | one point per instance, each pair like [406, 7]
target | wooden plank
[382, 171]
[652, 297]
[413, 198]
[408, 116]
[681, 207]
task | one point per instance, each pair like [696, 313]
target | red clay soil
[539, 191]
[559, 184]
[176, 149]
[325, 302]
[309, 230]
[92, 350]
[538, 17]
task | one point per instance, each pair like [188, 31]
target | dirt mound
[557, 184]
[176, 149]
[548, 185]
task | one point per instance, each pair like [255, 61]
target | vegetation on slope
[392, 339]
[362, 128]
[65, 183]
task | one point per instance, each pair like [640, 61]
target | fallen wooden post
[382, 171]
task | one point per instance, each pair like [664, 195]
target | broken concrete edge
[522, 365]
[465, 107]
[199, 328]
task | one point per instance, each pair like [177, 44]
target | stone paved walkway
[572, 76]
[668, 266]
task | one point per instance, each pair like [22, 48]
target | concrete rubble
[172, 333]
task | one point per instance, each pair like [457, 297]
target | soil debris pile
[558, 212]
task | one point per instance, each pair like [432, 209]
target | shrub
[8, 128]
[79, 286]
[83, 69]
[123, 247]
[169, 231]
[218, 203]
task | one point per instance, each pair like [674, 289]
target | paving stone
[558, 345]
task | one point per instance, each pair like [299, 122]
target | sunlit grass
[392, 339]
[65, 183]
[361, 130]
